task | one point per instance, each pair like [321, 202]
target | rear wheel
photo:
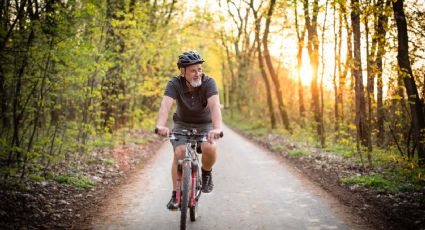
[185, 196]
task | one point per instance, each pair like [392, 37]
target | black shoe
[207, 183]
[172, 204]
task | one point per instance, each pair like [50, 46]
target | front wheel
[185, 196]
[194, 212]
[194, 209]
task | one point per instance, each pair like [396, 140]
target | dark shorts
[178, 126]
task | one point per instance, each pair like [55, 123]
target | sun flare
[306, 73]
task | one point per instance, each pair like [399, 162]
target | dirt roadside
[363, 207]
[51, 205]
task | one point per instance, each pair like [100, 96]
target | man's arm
[166, 104]
[214, 105]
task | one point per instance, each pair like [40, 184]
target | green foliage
[298, 153]
[278, 148]
[36, 178]
[74, 69]
[76, 180]
[255, 127]
[339, 149]
[422, 200]
[108, 161]
[303, 136]
[140, 141]
[376, 182]
[415, 175]
[103, 141]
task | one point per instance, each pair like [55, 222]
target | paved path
[252, 191]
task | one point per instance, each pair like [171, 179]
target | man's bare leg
[209, 155]
[178, 155]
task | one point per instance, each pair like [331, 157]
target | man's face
[193, 74]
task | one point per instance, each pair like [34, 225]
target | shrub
[298, 153]
[76, 180]
[376, 182]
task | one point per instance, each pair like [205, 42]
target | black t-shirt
[191, 106]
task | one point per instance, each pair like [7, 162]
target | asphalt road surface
[253, 190]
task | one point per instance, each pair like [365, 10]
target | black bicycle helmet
[189, 58]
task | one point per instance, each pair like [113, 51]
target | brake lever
[173, 137]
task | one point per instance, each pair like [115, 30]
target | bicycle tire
[194, 210]
[185, 196]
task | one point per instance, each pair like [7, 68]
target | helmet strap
[184, 76]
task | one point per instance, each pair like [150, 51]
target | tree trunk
[3, 101]
[113, 84]
[370, 71]
[225, 86]
[313, 50]
[261, 65]
[231, 88]
[39, 109]
[380, 34]
[15, 155]
[337, 69]
[300, 46]
[4, 23]
[358, 78]
[405, 72]
[323, 138]
[275, 79]
[349, 57]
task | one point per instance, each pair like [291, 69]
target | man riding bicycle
[198, 107]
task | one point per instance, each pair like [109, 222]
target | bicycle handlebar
[190, 134]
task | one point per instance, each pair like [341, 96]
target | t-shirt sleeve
[211, 88]
[170, 90]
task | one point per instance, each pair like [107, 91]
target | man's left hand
[213, 134]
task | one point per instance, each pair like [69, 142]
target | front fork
[179, 182]
[194, 184]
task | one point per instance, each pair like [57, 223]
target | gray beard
[196, 83]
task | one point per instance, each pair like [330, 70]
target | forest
[77, 76]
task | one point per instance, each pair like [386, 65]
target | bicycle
[188, 172]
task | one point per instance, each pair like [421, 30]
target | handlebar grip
[221, 134]
[156, 130]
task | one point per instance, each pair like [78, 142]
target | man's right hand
[163, 131]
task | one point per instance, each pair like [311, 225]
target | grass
[103, 142]
[416, 175]
[76, 180]
[278, 148]
[257, 128]
[391, 171]
[140, 141]
[37, 178]
[298, 153]
[108, 161]
[376, 182]
[380, 183]
[343, 150]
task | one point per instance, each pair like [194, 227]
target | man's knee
[208, 148]
[179, 152]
